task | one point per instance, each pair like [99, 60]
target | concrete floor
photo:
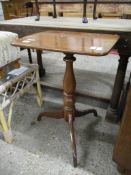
[43, 148]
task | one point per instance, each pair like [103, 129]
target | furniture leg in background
[29, 55]
[124, 53]
[39, 61]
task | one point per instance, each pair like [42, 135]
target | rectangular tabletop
[69, 42]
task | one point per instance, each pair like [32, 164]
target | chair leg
[5, 129]
[37, 89]
[10, 114]
[73, 141]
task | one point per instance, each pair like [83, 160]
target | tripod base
[69, 112]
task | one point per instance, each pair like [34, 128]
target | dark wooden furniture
[69, 43]
[122, 149]
[107, 9]
[127, 15]
[16, 8]
[85, 20]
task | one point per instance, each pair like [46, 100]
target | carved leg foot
[73, 142]
[84, 112]
[128, 172]
[123, 171]
[56, 115]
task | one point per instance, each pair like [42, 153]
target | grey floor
[43, 148]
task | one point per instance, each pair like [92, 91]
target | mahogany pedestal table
[69, 43]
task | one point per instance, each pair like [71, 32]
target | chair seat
[8, 53]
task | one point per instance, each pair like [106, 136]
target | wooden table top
[69, 42]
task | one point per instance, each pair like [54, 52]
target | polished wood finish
[69, 43]
[122, 149]
[73, 42]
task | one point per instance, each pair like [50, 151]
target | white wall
[1, 13]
